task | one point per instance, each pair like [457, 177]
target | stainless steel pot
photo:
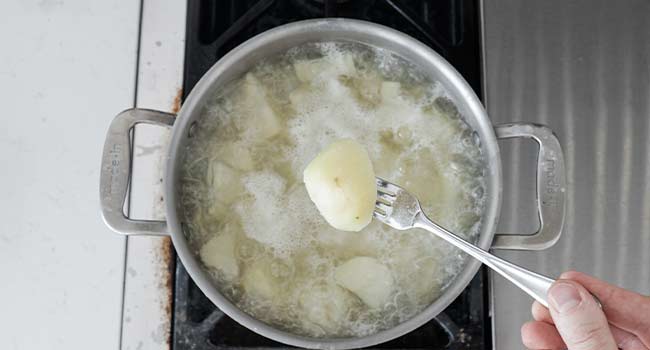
[116, 161]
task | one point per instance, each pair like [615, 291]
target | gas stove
[450, 27]
[545, 62]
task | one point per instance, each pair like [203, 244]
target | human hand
[575, 322]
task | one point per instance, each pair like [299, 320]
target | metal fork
[402, 211]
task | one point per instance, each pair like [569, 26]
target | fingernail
[564, 296]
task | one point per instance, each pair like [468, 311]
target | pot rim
[464, 94]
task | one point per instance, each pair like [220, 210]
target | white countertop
[66, 68]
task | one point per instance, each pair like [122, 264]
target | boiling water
[250, 219]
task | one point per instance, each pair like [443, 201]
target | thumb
[578, 318]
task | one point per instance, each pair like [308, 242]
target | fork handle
[534, 284]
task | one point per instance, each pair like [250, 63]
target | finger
[541, 335]
[541, 313]
[578, 318]
[624, 309]
[626, 340]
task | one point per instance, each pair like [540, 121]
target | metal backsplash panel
[583, 68]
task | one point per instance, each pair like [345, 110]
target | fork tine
[385, 197]
[386, 186]
[395, 206]
[380, 182]
[384, 207]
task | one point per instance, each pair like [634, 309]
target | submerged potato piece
[262, 120]
[219, 253]
[325, 306]
[341, 183]
[437, 191]
[367, 278]
[369, 88]
[273, 224]
[299, 97]
[237, 156]
[308, 70]
[418, 264]
[258, 281]
[224, 182]
[390, 90]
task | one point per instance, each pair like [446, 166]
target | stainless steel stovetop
[583, 68]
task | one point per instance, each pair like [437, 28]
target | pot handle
[116, 172]
[551, 185]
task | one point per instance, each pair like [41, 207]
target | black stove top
[214, 27]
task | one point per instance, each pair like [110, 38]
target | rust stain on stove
[167, 259]
[176, 104]
[167, 256]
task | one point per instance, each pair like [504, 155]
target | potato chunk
[325, 306]
[224, 181]
[367, 278]
[237, 156]
[390, 90]
[260, 119]
[327, 67]
[219, 254]
[341, 183]
[258, 281]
